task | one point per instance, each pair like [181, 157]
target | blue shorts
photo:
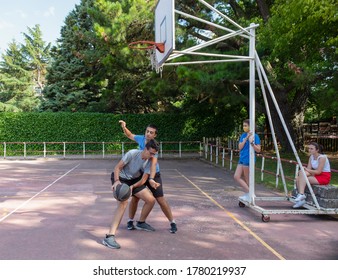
[243, 163]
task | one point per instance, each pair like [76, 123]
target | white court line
[24, 203]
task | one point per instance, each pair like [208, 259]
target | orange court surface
[62, 209]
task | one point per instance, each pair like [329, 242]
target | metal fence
[71, 150]
[228, 157]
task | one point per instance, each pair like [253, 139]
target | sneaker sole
[144, 229]
[133, 228]
[107, 245]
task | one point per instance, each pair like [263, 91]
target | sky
[17, 15]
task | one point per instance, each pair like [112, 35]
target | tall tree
[16, 82]
[74, 79]
[118, 23]
[299, 48]
[36, 54]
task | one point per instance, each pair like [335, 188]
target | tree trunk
[293, 115]
[264, 9]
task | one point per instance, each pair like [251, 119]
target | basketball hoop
[151, 48]
[146, 45]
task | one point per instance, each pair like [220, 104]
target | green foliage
[74, 80]
[22, 73]
[97, 127]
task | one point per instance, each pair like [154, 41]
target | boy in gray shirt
[133, 169]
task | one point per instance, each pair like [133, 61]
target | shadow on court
[61, 209]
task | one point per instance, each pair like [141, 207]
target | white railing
[216, 152]
[28, 150]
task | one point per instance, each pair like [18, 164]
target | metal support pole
[44, 150]
[24, 150]
[262, 169]
[64, 149]
[180, 149]
[84, 150]
[252, 111]
[210, 153]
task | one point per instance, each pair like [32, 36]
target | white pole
[286, 130]
[252, 112]
[267, 108]
[262, 169]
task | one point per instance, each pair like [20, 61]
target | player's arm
[320, 168]
[117, 171]
[126, 131]
[241, 144]
[153, 173]
[141, 182]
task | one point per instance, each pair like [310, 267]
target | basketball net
[154, 61]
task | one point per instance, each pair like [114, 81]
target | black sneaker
[110, 242]
[130, 225]
[144, 226]
[173, 227]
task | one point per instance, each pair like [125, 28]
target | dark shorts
[129, 183]
[158, 192]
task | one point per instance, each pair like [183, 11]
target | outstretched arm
[126, 131]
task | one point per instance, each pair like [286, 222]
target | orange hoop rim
[150, 45]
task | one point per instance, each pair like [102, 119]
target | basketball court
[62, 209]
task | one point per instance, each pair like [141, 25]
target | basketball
[122, 192]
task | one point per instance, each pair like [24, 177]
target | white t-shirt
[315, 163]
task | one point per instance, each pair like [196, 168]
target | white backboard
[165, 28]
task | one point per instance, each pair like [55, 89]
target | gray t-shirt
[134, 165]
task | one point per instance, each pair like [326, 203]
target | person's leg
[242, 170]
[165, 208]
[302, 183]
[109, 240]
[132, 211]
[300, 199]
[121, 208]
[149, 202]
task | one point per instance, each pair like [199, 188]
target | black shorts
[129, 183]
[158, 192]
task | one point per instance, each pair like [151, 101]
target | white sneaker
[245, 197]
[300, 197]
[299, 204]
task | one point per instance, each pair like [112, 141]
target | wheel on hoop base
[241, 204]
[265, 218]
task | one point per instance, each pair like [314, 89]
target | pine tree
[72, 79]
[16, 82]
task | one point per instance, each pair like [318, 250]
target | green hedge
[96, 127]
